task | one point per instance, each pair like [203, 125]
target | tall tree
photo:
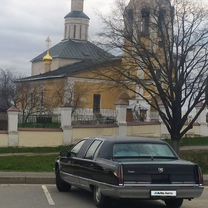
[165, 52]
[7, 89]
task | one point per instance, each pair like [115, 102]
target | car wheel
[100, 200]
[174, 203]
[61, 185]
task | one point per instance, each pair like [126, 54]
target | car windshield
[142, 150]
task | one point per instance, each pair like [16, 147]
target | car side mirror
[64, 153]
[69, 154]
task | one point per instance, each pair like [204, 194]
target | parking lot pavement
[46, 196]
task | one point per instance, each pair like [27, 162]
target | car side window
[75, 150]
[92, 149]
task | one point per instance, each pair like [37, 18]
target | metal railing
[96, 119]
[3, 121]
[39, 121]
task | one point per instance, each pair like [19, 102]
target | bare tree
[29, 99]
[165, 52]
[7, 89]
[42, 98]
[68, 93]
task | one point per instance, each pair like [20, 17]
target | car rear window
[92, 149]
[142, 150]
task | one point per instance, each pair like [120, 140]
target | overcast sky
[25, 25]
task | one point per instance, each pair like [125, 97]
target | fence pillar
[66, 121]
[121, 108]
[148, 118]
[203, 127]
[202, 117]
[13, 127]
[162, 108]
[163, 129]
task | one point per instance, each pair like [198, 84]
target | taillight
[119, 174]
[200, 176]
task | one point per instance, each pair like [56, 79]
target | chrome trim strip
[162, 185]
[89, 180]
[134, 185]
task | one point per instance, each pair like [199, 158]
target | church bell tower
[76, 22]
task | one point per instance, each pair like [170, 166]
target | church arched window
[80, 31]
[129, 23]
[65, 31]
[161, 20]
[75, 28]
[145, 22]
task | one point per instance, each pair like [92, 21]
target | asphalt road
[41, 196]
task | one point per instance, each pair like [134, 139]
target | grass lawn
[198, 156]
[195, 141]
[27, 163]
[4, 150]
[46, 163]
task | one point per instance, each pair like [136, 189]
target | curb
[27, 180]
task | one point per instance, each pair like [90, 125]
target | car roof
[130, 139]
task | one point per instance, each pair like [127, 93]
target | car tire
[100, 200]
[61, 185]
[174, 203]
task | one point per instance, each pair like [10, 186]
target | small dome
[47, 57]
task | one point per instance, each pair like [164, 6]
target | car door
[68, 163]
[87, 165]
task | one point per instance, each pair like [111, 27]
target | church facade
[68, 72]
[64, 74]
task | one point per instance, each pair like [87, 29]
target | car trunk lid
[159, 173]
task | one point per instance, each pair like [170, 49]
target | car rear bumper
[144, 191]
[136, 191]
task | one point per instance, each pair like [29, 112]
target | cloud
[26, 24]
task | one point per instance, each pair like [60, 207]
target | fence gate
[3, 121]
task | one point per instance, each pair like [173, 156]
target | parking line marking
[48, 196]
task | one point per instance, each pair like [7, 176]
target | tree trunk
[176, 145]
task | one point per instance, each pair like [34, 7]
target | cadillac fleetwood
[128, 168]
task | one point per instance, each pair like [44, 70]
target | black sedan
[128, 168]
